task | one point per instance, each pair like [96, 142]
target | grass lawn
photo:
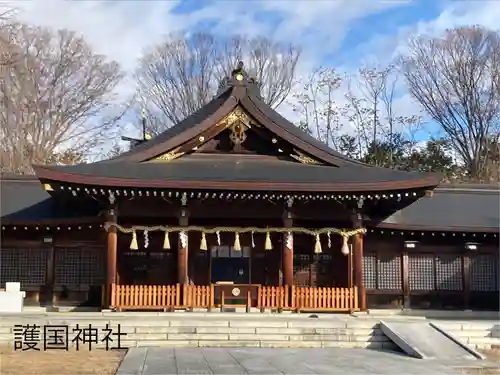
[58, 362]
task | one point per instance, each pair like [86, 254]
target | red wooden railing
[128, 297]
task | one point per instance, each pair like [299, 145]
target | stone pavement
[229, 361]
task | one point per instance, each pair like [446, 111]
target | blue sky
[335, 33]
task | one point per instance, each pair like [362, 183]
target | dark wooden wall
[57, 266]
[438, 273]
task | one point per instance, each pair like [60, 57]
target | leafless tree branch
[180, 75]
[455, 78]
[57, 95]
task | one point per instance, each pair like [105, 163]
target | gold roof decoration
[303, 158]
[171, 155]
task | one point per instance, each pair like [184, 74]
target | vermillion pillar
[358, 262]
[182, 250]
[112, 245]
[287, 247]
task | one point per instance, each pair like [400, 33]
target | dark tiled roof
[179, 128]
[453, 207]
[23, 199]
[238, 168]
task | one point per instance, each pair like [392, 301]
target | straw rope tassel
[268, 245]
[133, 243]
[203, 244]
[345, 245]
[166, 241]
[317, 246]
[237, 245]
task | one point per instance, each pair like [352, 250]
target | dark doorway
[229, 265]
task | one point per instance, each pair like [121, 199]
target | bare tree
[455, 78]
[58, 96]
[180, 75]
[316, 105]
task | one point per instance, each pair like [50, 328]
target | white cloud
[122, 29]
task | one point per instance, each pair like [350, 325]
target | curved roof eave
[49, 174]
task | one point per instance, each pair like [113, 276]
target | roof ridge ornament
[239, 77]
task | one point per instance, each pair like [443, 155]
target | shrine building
[236, 206]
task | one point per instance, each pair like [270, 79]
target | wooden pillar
[112, 247]
[182, 250]
[466, 280]
[50, 271]
[287, 252]
[358, 262]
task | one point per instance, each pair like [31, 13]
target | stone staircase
[219, 330]
[476, 334]
[241, 330]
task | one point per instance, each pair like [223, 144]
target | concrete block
[146, 336]
[332, 331]
[259, 337]
[223, 330]
[369, 338]
[284, 331]
[316, 323]
[4, 330]
[477, 326]
[290, 344]
[228, 344]
[197, 336]
[165, 330]
[199, 323]
[362, 323]
[483, 341]
[467, 334]
[258, 324]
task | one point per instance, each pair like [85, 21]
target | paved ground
[218, 361]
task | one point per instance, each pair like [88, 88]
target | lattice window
[92, 266]
[301, 269]
[32, 266]
[370, 271]
[421, 272]
[389, 272]
[27, 266]
[449, 272]
[8, 266]
[484, 273]
[67, 267]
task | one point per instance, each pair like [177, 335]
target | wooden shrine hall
[236, 206]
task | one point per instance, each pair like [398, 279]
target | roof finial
[238, 73]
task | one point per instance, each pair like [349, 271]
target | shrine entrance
[230, 265]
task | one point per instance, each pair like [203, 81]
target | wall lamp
[472, 246]
[410, 244]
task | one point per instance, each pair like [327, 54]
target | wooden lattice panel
[27, 266]
[8, 266]
[484, 273]
[92, 266]
[370, 271]
[421, 272]
[67, 266]
[301, 269]
[449, 272]
[389, 272]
